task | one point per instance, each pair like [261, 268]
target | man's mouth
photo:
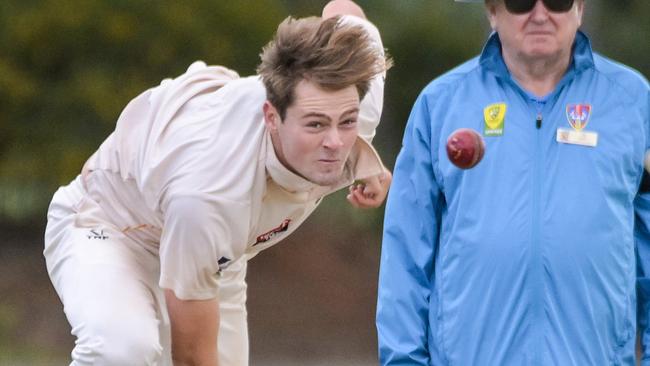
[540, 33]
[329, 161]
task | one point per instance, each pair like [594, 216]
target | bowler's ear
[271, 116]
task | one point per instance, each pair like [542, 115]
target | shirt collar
[363, 162]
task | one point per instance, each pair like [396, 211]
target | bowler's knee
[117, 343]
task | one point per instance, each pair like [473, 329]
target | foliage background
[68, 67]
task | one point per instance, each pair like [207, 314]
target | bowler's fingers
[357, 198]
[381, 184]
[372, 192]
[342, 7]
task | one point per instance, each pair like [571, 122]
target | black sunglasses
[524, 6]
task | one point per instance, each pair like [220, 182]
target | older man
[528, 258]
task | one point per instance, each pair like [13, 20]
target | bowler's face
[539, 34]
[317, 134]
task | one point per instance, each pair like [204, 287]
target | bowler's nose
[333, 139]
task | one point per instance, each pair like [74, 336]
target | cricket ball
[465, 148]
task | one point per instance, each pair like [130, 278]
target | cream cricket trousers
[108, 285]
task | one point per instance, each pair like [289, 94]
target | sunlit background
[67, 68]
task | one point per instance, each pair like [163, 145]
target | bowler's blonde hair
[328, 52]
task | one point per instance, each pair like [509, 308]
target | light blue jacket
[528, 258]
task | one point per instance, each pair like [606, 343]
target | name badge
[584, 138]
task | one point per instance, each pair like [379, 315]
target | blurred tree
[621, 31]
[68, 67]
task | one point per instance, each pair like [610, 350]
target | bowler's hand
[342, 7]
[372, 192]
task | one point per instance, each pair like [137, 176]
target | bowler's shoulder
[625, 76]
[250, 87]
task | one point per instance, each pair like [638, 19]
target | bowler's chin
[326, 178]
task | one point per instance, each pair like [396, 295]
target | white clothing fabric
[183, 192]
[108, 285]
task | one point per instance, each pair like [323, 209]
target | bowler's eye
[349, 122]
[314, 124]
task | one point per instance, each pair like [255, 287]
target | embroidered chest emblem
[494, 116]
[578, 115]
[263, 238]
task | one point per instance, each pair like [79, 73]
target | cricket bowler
[147, 248]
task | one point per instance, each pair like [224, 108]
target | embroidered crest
[578, 115]
[494, 116]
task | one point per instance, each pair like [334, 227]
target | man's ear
[271, 116]
[580, 8]
[491, 12]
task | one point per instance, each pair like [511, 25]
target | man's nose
[333, 139]
[539, 12]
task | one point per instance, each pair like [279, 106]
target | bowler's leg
[113, 315]
[106, 292]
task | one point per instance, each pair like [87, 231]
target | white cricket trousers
[108, 285]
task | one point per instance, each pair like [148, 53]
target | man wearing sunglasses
[529, 257]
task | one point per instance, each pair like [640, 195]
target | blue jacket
[528, 258]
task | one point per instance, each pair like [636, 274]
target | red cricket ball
[465, 148]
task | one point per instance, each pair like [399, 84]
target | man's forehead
[310, 97]
[306, 88]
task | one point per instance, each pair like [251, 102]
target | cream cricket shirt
[190, 174]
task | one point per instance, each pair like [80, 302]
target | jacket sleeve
[642, 242]
[411, 229]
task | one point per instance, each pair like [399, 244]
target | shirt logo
[96, 234]
[578, 115]
[284, 226]
[495, 115]
[223, 263]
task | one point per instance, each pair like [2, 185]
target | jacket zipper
[537, 265]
